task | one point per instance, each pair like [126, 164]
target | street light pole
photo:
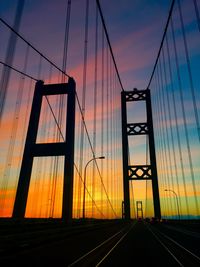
[176, 201]
[84, 183]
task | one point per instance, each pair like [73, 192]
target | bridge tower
[138, 172]
[139, 209]
[33, 149]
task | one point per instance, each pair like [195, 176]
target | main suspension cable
[35, 49]
[109, 44]
[162, 41]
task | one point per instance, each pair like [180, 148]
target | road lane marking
[103, 243]
[120, 240]
[157, 238]
[184, 231]
[179, 245]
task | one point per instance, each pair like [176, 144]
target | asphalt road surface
[109, 244]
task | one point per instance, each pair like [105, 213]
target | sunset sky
[135, 29]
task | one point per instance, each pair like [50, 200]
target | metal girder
[137, 128]
[139, 172]
[135, 95]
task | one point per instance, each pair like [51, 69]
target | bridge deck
[111, 243]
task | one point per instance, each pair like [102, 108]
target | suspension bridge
[93, 173]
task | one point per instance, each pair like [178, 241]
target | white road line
[85, 255]
[98, 264]
[184, 231]
[174, 257]
[179, 245]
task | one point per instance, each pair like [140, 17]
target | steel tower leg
[139, 172]
[155, 189]
[32, 149]
[125, 157]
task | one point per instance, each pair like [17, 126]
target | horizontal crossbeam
[139, 172]
[135, 95]
[55, 89]
[137, 128]
[49, 149]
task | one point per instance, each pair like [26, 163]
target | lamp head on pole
[102, 157]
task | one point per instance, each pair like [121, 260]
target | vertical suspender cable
[102, 115]
[147, 159]
[170, 118]
[197, 13]
[157, 133]
[166, 108]
[95, 106]
[168, 151]
[176, 120]
[156, 105]
[181, 94]
[159, 112]
[83, 98]
[14, 129]
[163, 130]
[9, 56]
[111, 131]
[61, 98]
[107, 122]
[66, 39]
[194, 106]
[189, 71]
[38, 165]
